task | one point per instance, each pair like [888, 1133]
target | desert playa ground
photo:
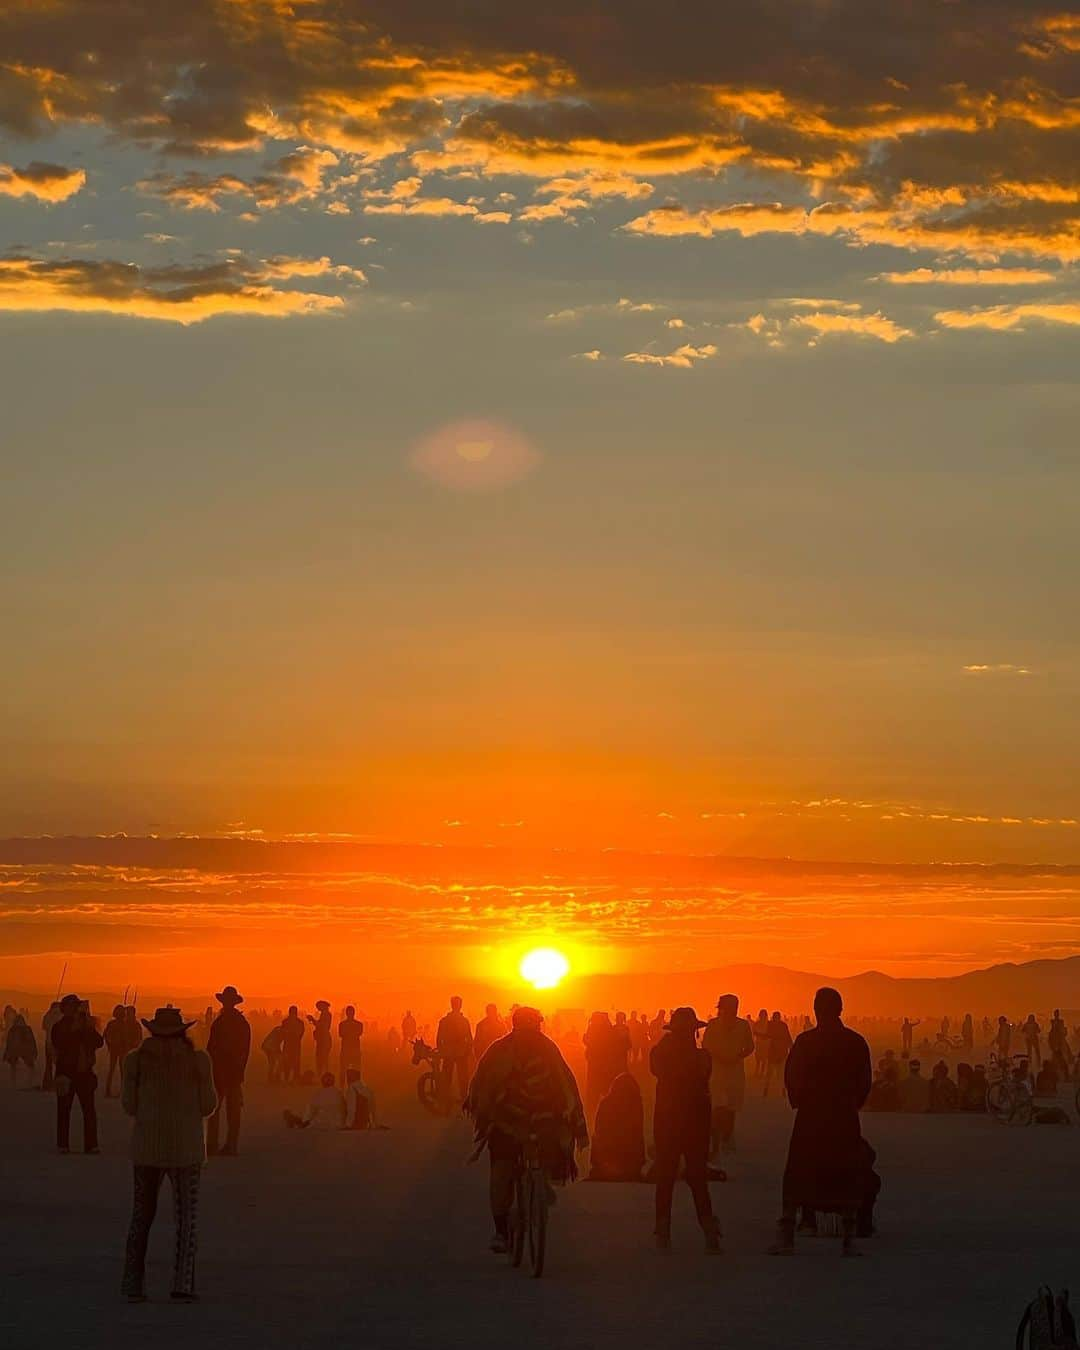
[380, 1240]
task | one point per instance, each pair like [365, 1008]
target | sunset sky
[570, 426]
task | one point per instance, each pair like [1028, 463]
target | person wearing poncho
[523, 1086]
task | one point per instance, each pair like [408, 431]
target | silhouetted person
[602, 1060]
[729, 1039]
[228, 1045]
[359, 1103]
[325, 1110]
[524, 1087]
[779, 1049]
[1057, 1040]
[52, 1016]
[914, 1090]
[20, 1047]
[944, 1094]
[760, 1028]
[907, 1029]
[408, 1028]
[622, 1046]
[75, 1042]
[489, 1029]
[323, 1036]
[975, 1100]
[168, 1089]
[292, 1035]
[828, 1078]
[618, 1141]
[272, 1045]
[454, 1042]
[1003, 1038]
[116, 1036]
[681, 1123]
[350, 1033]
[1033, 1041]
[1046, 1080]
[967, 1033]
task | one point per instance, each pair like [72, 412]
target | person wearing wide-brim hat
[323, 1036]
[681, 1123]
[729, 1040]
[228, 1045]
[168, 1090]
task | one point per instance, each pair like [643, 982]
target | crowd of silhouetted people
[182, 1084]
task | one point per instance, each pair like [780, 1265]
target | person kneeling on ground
[325, 1111]
[618, 1147]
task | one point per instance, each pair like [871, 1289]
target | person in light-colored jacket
[168, 1089]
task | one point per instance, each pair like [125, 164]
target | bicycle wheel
[1023, 1112]
[537, 1185]
[519, 1221]
[427, 1090]
[999, 1101]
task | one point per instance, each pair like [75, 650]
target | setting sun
[544, 968]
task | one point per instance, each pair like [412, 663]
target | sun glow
[544, 968]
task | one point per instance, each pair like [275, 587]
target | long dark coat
[828, 1077]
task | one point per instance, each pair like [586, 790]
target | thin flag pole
[60, 986]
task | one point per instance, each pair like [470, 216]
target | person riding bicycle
[523, 1087]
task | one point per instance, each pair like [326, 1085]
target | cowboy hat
[322, 1004]
[166, 1022]
[230, 996]
[684, 1018]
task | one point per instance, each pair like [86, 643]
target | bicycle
[430, 1087]
[1009, 1098]
[532, 1203]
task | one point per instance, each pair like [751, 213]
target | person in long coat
[828, 1077]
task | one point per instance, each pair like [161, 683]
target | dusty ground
[379, 1240]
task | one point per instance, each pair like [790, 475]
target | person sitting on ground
[359, 1103]
[20, 1047]
[325, 1110]
[883, 1093]
[1046, 1080]
[943, 1092]
[976, 1095]
[618, 1146]
[914, 1090]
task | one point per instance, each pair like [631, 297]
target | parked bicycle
[431, 1085]
[1009, 1097]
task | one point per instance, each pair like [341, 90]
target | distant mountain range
[1016, 990]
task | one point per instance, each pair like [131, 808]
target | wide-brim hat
[166, 1022]
[70, 1001]
[229, 995]
[323, 1005]
[682, 1018]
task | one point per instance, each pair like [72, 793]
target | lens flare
[474, 456]
[544, 968]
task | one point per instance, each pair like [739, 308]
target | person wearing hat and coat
[168, 1090]
[729, 1039]
[228, 1045]
[75, 1042]
[681, 1123]
[323, 1036]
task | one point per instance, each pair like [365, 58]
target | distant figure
[1003, 1038]
[323, 1036]
[489, 1029]
[656, 1028]
[828, 1079]
[228, 1045]
[622, 1046]
[454, 1041]
[967, 1033]
[729, 1040]
[272, 1046]
[168, 1089]
[325, 1110]
[618, 1144]
[292, 1036]
[907, 1029]
[914, 1090]
[779, 1048]
[944, 1095]
[884, 1094]
[408, 1028]
[639, 1038]
[1033, 1041]
[116, 1037]
[524, 1087]
[681, 1124]
[20, 1047]
[75, 1043]
[945, 1028]
[52, 1016]
[350, 1034]
[1057, 1041]
[761, 1043]
[602, 1060]
[359, 1103]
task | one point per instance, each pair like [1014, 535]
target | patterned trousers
[185, 1189]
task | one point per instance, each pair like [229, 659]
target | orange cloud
[45, 182]
[969, 276]
[176, 294]
[682, 358]
[1006, 317]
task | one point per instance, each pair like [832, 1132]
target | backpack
[1047, 1323]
